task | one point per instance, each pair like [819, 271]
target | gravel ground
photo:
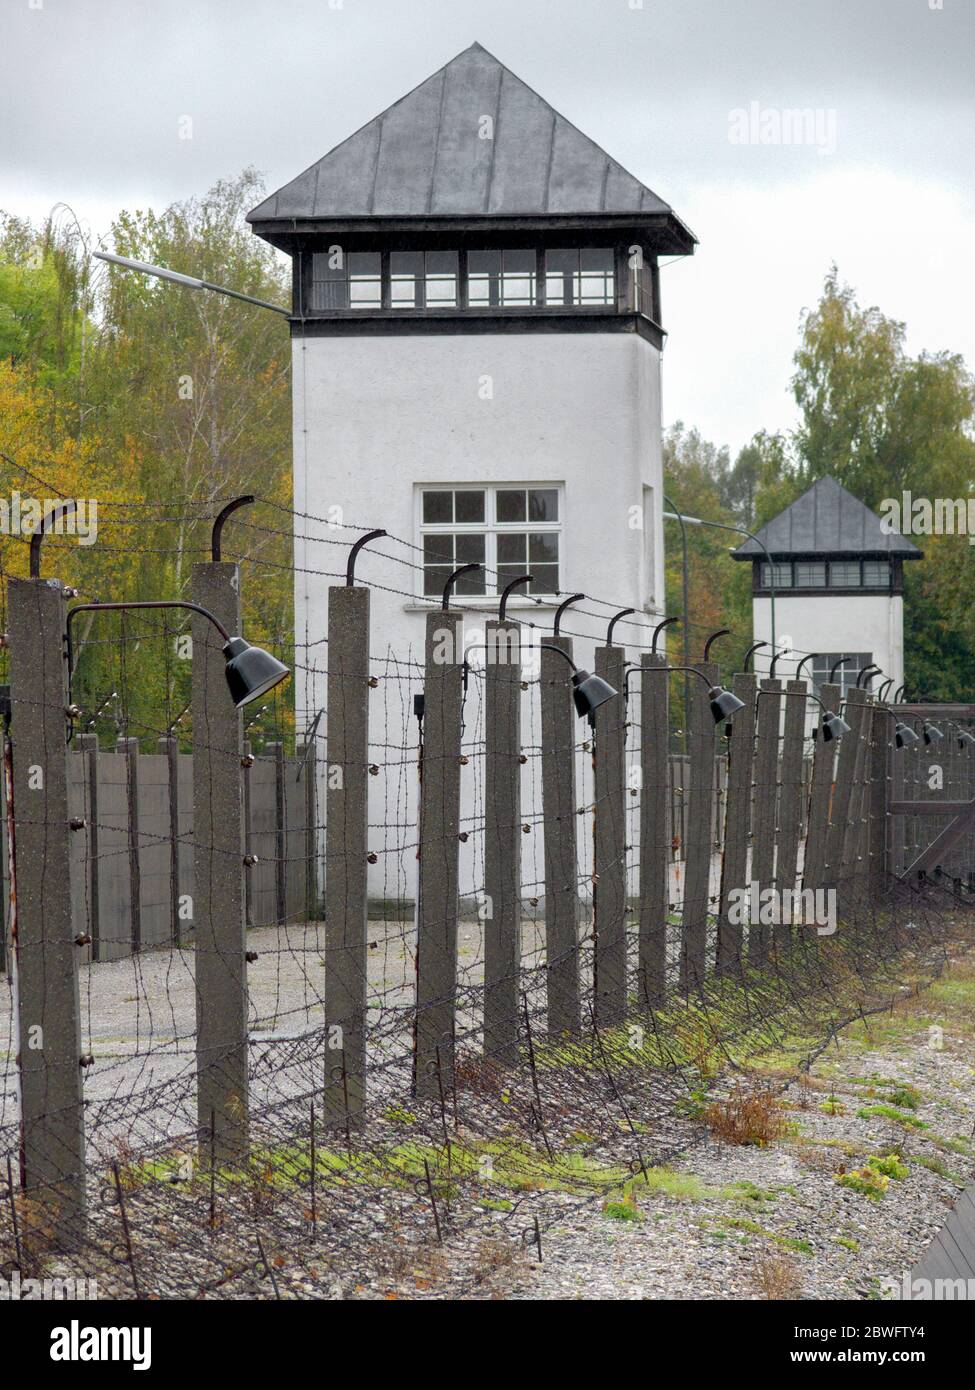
[803, 1234]
[714, 1220]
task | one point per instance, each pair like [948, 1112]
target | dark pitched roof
[424, 156]
[827, 520]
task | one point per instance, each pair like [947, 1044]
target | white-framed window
[508, 528]
[846, 675]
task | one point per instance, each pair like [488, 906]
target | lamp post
[190, 281]
[684, 519]
[676, 515]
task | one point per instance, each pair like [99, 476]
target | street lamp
[684, 519]
[190, 281]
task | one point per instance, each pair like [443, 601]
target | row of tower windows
[574, 277]
[827, 574]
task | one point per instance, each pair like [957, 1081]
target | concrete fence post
[307, 759]
[879, 839]
[609, 883]
[789, 820]
[820, 799]
[845, 817]
[280, 836]
[346, 854]
[700, 802]
[48, 1013]
[129, 748]
[502, 840]
[246, 757]
[655, 831]
[218, 851]
[88, 746]
[169, 748]
[738, 819]
[559, 812]
[766, 799]
[854, 864]
[439, 855]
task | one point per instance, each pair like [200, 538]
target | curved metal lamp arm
[796, 694]
[655, 670]
[866, 670]
[354, 554]
[623, 613]
[749, 654]
[721, 632]
[836, 666]
[503, 605]
[573, 598]
[218, 524]
[551, 647]
[144, 603]
[464, 569]
[771, 669]
[883, 689]
[901, 690]
[37, 539]
[811, 657]
[658, 630]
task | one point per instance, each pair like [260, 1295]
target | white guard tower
[476, 338]
[838, 579]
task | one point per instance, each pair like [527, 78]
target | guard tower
[838, 578]
[477, 337]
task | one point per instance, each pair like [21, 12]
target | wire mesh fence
[441, 951]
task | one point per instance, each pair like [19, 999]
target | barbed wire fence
[378, 998]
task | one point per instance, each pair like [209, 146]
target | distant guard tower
[839, 584]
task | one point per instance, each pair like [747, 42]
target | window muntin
[444, 552]
[580, 277]
[810, 574]
[423, 279]
[876, 574]
[782, 577]
[844, 574]
[501, 279]
[342, 281]
[517, 530]
[846, 676]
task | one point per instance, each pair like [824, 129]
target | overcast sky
[92, 93]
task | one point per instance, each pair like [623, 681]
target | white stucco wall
[374, 417]
[836, 623]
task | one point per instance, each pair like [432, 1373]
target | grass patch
[890, 1112]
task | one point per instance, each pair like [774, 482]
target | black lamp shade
[251, 671]
[723, 703]
[833, 726]
[904, 736]
[589, 692]
[965, 739]
[931, 732]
